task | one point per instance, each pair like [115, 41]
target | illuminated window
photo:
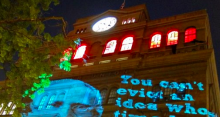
[190, 34]
[77, 32]
[1, 106]
[129, 20]
[155, 41]
[80, 52]
[5, 112]
[52, 98]
[127, 44]
[43, 100]
[172, 37]
[103, 95]
[133, 20]
[124, 22]
[112, 96]
[12, 110]
[110, 47]
[81, 31]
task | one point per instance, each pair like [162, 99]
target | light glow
[110, 47]
[49, 105]
[104, 24]
[12, 110]
[80, 52]
[127, 44]
[190, 34]
[43, 100]
[155, 41]
[172, 37]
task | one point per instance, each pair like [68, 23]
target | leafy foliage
[22, 37]
[39, 87]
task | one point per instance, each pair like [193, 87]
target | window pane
[156, 90]
[52, 98]
[43, 100]
[110, 47]
[103, 95]
[127, 44]
[80, 52]
[1, 106]
[155, 41]
[12, 109]
[172, 38]
[190, 34]
[112, 96]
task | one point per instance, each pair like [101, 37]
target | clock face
[104, 24]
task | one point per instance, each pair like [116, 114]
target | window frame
[153, 34]
[106, 94]
[44, 104]
[73, 56]
[123, 39]
[48, 104]
[112, 39]
[109, 94]
[177, 41]
[190, 34]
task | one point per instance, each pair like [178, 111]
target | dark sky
[71, 10]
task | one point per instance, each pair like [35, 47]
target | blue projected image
[157, 94]
[67, 97]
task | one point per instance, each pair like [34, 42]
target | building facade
[143, 67]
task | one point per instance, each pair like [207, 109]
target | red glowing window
[155, 40]
[110, 47]
[190, 34]
[80, 52]
[127, 44]
[172, 37]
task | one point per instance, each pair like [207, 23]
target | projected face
[85, 101]
[80, 110]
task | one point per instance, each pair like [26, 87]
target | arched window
[167, 92]
[103, 95]
[110, 47]
[190, 34]
[49, 104]
[181, 91]
[155, 40]
[80, 52]
[12, 109]
[156, 90]
[42, 102]
[112, 96]
[77, 31]
[5, 109]
[1, 108]
[127, 44]
[172, 37]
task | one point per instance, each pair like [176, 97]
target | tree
[22, 37]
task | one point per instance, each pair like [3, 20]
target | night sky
[71, 10]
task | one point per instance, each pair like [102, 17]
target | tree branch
[39, 19]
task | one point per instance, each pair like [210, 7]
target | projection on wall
[67, 97]
[127, 104]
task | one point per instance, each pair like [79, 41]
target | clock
[104, 24]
